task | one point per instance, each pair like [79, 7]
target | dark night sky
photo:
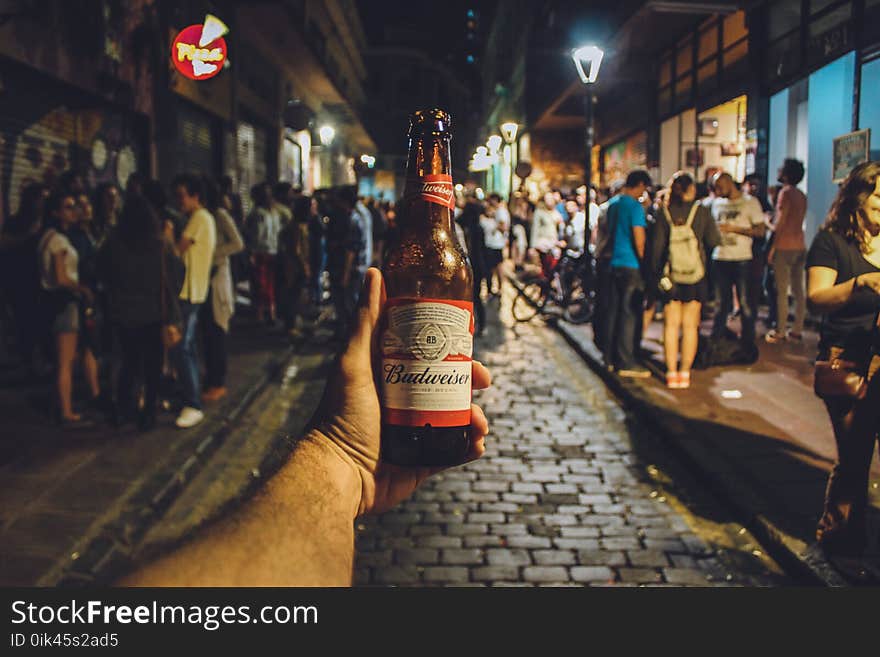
[436, 27]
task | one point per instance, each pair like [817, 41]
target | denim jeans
[186, 358]
[623, 318]
[727, 274]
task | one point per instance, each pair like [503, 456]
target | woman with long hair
[131, 263]
[683, 233]
[843, 284]
[64, 295]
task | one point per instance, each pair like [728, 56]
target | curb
[806, 564]
[103, 551]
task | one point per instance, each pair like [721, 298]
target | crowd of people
[139, 286]
[716, 250]
[678, 251]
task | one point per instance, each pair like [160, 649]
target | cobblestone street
[561, 497]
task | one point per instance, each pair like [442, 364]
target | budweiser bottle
[427, 326]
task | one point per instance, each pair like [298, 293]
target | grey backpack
[685, 262]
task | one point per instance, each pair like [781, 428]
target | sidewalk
[757, 436]
[69, 499]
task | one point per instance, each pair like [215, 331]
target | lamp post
[326, 134]
[508, 131]
[587, 60]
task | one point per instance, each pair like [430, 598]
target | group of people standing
[681, 249]
[132, 285]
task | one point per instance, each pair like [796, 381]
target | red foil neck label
[435, 188]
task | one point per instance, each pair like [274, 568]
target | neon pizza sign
[199, 51]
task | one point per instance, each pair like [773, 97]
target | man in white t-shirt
[196, 247]
[740, 218]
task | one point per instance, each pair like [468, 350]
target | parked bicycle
[567, 292]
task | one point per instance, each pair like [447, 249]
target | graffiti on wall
[99, 144]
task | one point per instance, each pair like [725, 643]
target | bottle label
[427, 346]
[435, 188]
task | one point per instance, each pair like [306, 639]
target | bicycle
[568, 291]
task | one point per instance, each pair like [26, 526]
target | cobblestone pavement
[561, 497]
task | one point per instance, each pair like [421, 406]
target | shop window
[784, 16]
[871, 22]
[708, 43]
[830, 20]
[707, 76]
[818, 5]
[735, 28]
[829, 34]
[684, 60]
[683, 90]
[783, 58]
[736, 54]
[665, 76]
[664, 101]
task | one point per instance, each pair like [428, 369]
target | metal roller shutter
[252, 146]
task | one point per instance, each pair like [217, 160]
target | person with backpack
[684, 232]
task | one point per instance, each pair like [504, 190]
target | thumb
[369, 307]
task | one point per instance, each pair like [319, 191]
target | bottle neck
[429, 191]
[428, 155]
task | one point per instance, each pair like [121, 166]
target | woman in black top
[131, 262]
[843, 283]
[684, 300]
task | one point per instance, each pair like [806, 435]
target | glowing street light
[587, 60]
[508, 131]
[326, 133]
[369, 160]
[494, 143]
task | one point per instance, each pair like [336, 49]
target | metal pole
[510, 179]
[588, 138]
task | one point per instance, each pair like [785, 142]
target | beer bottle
[427, 325]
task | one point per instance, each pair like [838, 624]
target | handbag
[840, 378]
[172, 332]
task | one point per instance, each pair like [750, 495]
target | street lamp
[494, 143]
[326, 133]
[508, 131]
[587, 60]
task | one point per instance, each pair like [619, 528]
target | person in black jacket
[469, 220]
[135, 262]
[684, 296]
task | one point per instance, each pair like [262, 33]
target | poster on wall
[624, 156]
[849, 151]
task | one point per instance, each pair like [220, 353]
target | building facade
[101, 96]
[701, 87]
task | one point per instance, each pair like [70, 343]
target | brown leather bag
[840, 378]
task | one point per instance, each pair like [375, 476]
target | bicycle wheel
[528, 302]
[579, 310]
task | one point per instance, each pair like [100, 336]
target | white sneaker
[189, 417]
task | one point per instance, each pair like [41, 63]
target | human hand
[870, 281]
[725, 228]
[349, 419]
